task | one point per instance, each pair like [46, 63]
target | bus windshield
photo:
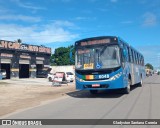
[99, 57]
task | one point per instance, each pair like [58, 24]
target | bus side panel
[132, 73]
[137, 71]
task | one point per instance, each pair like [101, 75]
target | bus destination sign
[93, 42]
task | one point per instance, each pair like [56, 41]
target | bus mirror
[70, 55]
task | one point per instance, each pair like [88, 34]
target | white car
[69, 76]
[3, 73]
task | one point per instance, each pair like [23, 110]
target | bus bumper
[117, 83]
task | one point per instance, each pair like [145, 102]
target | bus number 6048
[103, 76]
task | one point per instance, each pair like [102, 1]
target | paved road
[141, 103]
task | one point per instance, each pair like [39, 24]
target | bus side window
[127, 55]
[142, 60]
[136, 58]
[139, 59]
[133, 56]
[130, 55]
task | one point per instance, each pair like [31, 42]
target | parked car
[42, 74]
[69, 76]
[3, 73]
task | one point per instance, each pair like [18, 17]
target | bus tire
[127, 89]
[141, 82]
[93, 91]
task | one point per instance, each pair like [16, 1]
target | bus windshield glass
[99, 57]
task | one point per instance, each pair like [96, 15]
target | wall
[67, 68]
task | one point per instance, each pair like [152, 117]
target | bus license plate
[95, 85]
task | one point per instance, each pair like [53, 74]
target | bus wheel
[126, 90]
[93, 91]
[141, 82]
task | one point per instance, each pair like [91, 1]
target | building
[23, 60]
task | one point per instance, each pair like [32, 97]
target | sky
[59, 23]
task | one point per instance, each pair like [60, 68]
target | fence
[67, 68]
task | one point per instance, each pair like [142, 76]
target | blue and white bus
[107, 62]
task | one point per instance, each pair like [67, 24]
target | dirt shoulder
[20, 94]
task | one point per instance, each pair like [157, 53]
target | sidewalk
[23, 93]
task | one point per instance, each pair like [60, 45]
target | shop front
[23, 60]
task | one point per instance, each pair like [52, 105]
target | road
[141, 103]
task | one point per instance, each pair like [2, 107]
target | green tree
[61, 56]
[148, 65]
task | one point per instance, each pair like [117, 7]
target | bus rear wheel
[141, 82]
[93, 91]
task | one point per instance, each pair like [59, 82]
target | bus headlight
[116, 76]
[81, 80]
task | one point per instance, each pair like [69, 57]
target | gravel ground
[18, 94]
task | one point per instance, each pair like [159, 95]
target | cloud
[50, 33]
[28, 5]
[20, 17]
[63, 23]
[81, 18]
[151, 54]
[85, 18]
[150, 19]
[3, 10]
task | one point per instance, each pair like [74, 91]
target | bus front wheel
[93, 91]
[126, 90]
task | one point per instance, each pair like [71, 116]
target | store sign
[26, 47]
[47, 66]
[39, 58]
[25, 57]
[10, 45]
[6, 55]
